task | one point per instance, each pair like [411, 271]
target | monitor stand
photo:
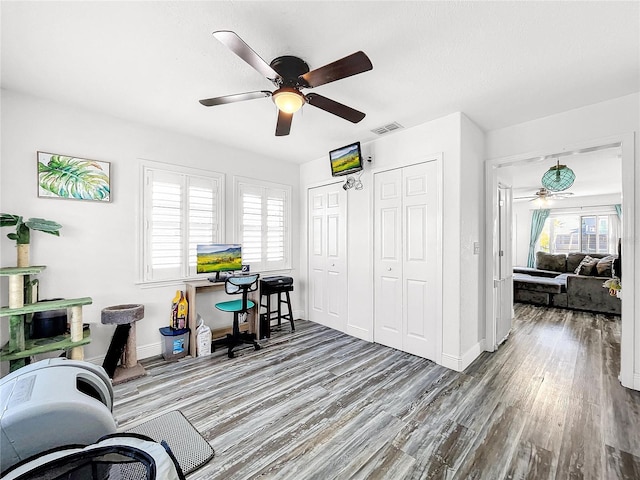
[217, 278]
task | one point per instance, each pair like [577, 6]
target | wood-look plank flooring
[318, 404]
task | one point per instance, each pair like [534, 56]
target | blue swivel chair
[236, 285]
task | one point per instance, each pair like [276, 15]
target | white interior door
[419, 272]
[328, 256]
[504, 265]
[388, 258]
[405, 249]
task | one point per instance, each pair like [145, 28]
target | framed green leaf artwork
[61, 176]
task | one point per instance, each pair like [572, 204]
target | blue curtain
[537, 222]
[618, 208]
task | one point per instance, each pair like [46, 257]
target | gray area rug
[189, 447]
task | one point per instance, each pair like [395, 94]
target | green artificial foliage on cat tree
[22, 235]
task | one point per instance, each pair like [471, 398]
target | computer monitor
[218, 257]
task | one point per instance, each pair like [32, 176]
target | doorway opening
[604, 176]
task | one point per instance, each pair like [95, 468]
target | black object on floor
[116, 347]
[189, 447]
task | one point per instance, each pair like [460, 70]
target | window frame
[238, 183]
[580, 213]
[145, 275]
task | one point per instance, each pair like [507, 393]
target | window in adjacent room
[262, 224]
[584, 231]
[181, 208]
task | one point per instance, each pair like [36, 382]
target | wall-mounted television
[218, 257]
[346, 160]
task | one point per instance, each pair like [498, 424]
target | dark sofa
[554, 282]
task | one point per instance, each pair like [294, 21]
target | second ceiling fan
[289, 75]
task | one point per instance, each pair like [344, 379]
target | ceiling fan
[544, 194]
[289, 75]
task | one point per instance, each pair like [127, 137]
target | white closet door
[405, 268]
[327, 256]
[419, 266]
[388, 258]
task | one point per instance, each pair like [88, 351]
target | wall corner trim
[460, 363]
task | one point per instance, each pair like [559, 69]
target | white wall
[96, 255]
[522, 212]
[618, 118]
[461, 143]
[471, 231]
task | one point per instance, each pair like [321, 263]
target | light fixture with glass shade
[558, 178]
[288, 100]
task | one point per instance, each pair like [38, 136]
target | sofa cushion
[551, 261]
[574, 259]
[587, 266]
[535, 272]
[604, 266]
[523, 281]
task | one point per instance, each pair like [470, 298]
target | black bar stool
[277, 285]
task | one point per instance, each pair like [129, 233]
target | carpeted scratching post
[123, 343]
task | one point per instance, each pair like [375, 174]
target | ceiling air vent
[387, 128]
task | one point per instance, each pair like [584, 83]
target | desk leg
[191, 318]
[255, 314]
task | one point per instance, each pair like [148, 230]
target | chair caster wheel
[230, 355]
[257, 347]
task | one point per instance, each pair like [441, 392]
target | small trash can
[176, 343]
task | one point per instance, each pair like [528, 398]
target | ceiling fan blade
[245, 52]
[345, 67]
[283, 127]
[238, 97]
[334, 107]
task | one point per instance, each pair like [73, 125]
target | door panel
[405, 263]
[416, 293]
[317, 290]
[327, 256]
[416, 233]
[504, 282]
[390, 224]
[389, 312]
[388, 259]
[419, 266]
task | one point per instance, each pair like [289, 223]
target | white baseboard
[298, 314]
[636, 381]
[473, 353]
[460, 363]
[359, 332]
[145, 351]
[149, 350]
[452, 362]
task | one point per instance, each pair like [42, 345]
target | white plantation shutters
[182, 207]
[263, 224]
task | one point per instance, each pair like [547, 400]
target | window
[262, 224]
[595, 232]
[181, 208]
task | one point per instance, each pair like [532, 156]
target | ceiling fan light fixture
[288, 100]
[558, 178]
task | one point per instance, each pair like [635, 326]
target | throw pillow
[550, 261]
[604, 266]
[586, 265]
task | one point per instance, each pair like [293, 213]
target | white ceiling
[597, 173]
[501, 63]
